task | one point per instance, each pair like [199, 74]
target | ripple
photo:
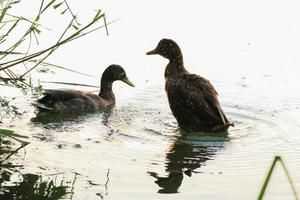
[140, 143]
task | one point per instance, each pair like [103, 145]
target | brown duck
[77, 102]
[192, 98]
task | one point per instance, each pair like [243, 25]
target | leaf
[47, 6]
[10, 133]
[63, 12]
[104, 18]
[5, 132]
[60, 67]
[15, 2]
[38, 31]
[276, 160]
[98, 16]
[57, 5]
[38, 18]
[75, 27]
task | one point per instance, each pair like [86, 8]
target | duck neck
[106, 90]
[175, 67]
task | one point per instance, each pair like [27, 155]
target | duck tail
[41, 106]
[221, 128]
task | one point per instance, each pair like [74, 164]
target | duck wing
[66, 101]
[52, 96]
[202, 100]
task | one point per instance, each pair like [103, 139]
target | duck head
[115, 73]
[168, 49]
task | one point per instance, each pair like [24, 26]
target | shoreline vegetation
[17, 60]
[279, 160]
[14, 58]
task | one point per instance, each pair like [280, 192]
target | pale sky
[218, 38]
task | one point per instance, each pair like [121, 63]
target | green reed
[13, 57]
[276, 160]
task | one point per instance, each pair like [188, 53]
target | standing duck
[78, 102]
[192, 98]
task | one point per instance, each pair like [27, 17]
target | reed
[13, 56]
[13, 135]
[276, 160]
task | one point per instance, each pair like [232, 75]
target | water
[136, 151]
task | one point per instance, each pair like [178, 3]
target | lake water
[248, 50]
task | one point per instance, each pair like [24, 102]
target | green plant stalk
[32, 29]
[29, 30]
[51, 51]
[74, 36]
[48, 5]
[267, 180]
[23, 19]
[4, 11]
[6, 73]
[95, 29]
[23, 144]
[29, 57]
[11, 28]
[74, 16]
[74, 84]
[60, 67]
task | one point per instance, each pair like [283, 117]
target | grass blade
[66, 83]
[98, 16]
[14, 53]
[57, 5]
[11, 28]
[4, 12]
[267, 180]
[60, 67]
[48, 5]
[10, 133]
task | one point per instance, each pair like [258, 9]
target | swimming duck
[77, 102]
[192, 98]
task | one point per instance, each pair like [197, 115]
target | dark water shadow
[15, 185]
[45, 125]
[70, 122]
[185, 155]
[106, 115]
[32, 187]
[44, 117]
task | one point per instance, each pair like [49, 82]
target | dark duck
[192, 98]
[78, 102]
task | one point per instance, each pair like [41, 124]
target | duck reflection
[185, 154]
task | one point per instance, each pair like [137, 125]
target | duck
[193, 100]
[61, 101]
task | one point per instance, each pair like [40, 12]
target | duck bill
[153, 52]
[127, 81]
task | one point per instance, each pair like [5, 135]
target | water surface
[136, 151]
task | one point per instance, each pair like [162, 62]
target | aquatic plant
[276, 160]
[13, 57]
[12, 134]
